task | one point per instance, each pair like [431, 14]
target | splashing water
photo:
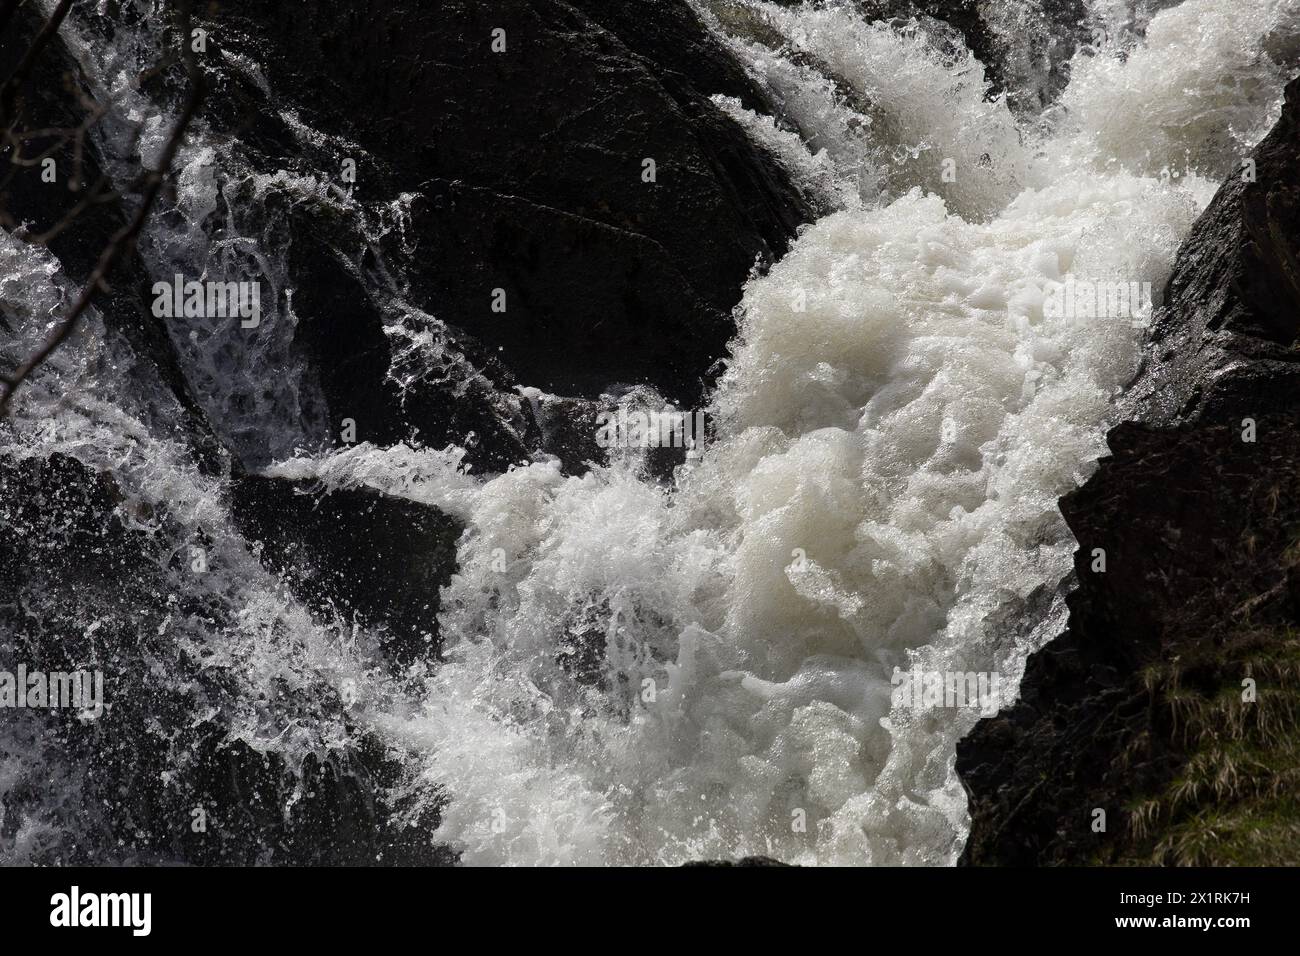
[897, 422]
[639, 673]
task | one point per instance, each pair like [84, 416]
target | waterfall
[649, 672]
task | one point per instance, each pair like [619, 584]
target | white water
[773, 683]
[896, 423]
[94, 403]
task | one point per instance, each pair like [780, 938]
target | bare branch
[124, 240]
[9, 92]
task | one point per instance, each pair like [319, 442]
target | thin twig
[9, 92]
[125, 238]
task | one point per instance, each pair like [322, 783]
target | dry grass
[1236, 800]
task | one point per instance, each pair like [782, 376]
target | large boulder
[369, 558]
[523, 171]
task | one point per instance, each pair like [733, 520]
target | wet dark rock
[566, 428]
[453, 393]
[370, 558]
[1199, 529]
[84, 585]
[743, 861]
[588, 303]
[523, 172]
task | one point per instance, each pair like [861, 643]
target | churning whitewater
[648, 673]
[897, 422]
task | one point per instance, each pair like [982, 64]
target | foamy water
[898, 420]
[645, 673]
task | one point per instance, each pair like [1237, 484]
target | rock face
[1139, 709]
[575, 209]
[372, 559]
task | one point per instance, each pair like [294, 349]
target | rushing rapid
[650, 672]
